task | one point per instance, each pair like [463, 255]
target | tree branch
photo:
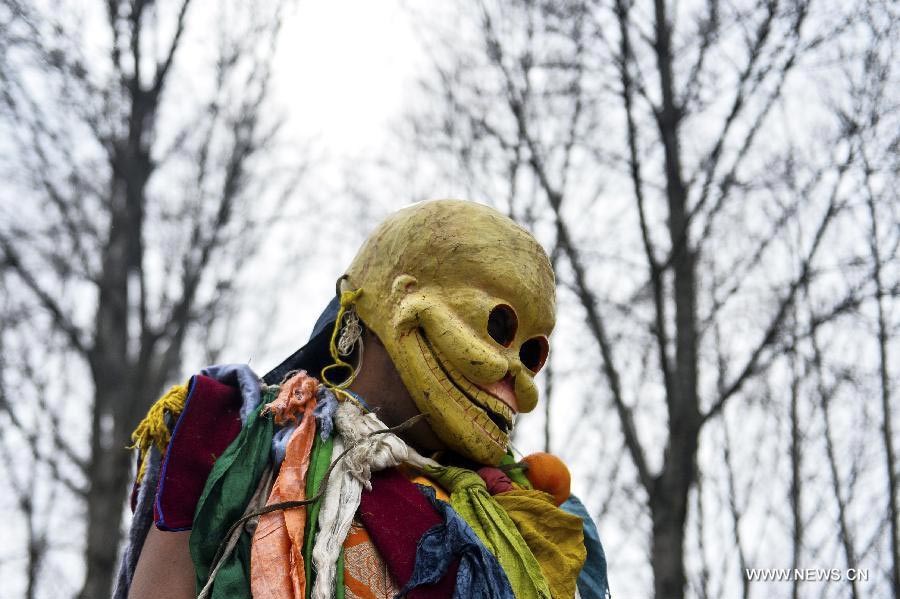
[660, 330]
[775, 325]
[60, 319]
[162, 69]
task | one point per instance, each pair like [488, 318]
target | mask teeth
[495, 404]
[485, 399]
[476, 414]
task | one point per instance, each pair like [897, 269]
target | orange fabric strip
[276, 561]
[366, 576]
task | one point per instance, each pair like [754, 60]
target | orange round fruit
[548, 473]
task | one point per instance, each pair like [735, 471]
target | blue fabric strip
[479, 573]
[325, 409]
[592, 582]
[359, 398]
[279, 444]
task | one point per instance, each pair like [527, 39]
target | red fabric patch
[396, 515]
[209, 423]
[496, 480]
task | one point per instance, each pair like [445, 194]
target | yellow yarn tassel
[347, 300]
[152, 431]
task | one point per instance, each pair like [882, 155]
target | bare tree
[133, 199]
[874, 97]
[670, 152]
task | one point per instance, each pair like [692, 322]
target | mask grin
[488, 413]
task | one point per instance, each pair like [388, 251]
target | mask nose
[504, 390]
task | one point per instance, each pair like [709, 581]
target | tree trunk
[108, 470]
[668, 508]
[108, 476]
[118, 371]
[669, 499]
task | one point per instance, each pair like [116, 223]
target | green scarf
[471, 500]
[319, 461]
[232, 482]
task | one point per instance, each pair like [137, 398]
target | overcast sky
[343, 70]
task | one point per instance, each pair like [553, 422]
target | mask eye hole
[502, 325]
[533, 353]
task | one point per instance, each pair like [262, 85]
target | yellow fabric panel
[555, 537]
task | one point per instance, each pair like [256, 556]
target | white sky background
[345, 73]
[343, 70]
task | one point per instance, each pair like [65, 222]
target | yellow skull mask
[463, 300]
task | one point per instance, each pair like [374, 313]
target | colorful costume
[306, 493]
